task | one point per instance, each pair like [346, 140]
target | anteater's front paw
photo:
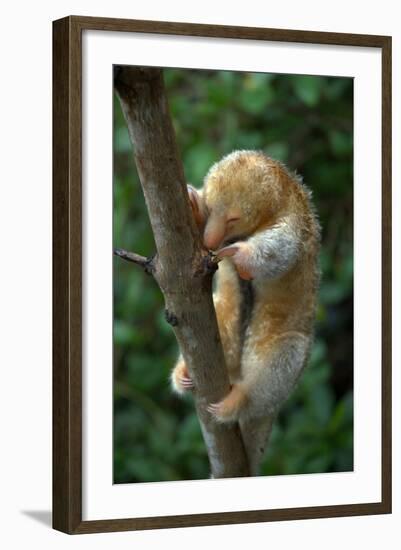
[240, 254]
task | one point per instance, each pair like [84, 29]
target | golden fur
[254, 201]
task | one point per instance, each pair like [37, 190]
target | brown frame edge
[67, 274]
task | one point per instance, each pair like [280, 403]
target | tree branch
[142, 261]
[182, 267]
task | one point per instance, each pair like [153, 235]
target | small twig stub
[170, 318]
[147, 264]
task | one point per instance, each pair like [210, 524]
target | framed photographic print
[222, 274]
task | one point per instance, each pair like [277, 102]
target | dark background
[306, 122]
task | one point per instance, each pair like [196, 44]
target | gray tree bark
[182, 267]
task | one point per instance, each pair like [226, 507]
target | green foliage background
[305, 121]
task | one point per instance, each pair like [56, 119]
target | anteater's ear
[198, 206]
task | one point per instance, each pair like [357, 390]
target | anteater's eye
[232, 220]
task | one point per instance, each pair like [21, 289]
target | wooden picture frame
[67, 273]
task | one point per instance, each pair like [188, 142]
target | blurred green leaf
[341, 143]
[122, 142]
[256, 94]
[277, 151]
[308, 89]
[198, 161]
